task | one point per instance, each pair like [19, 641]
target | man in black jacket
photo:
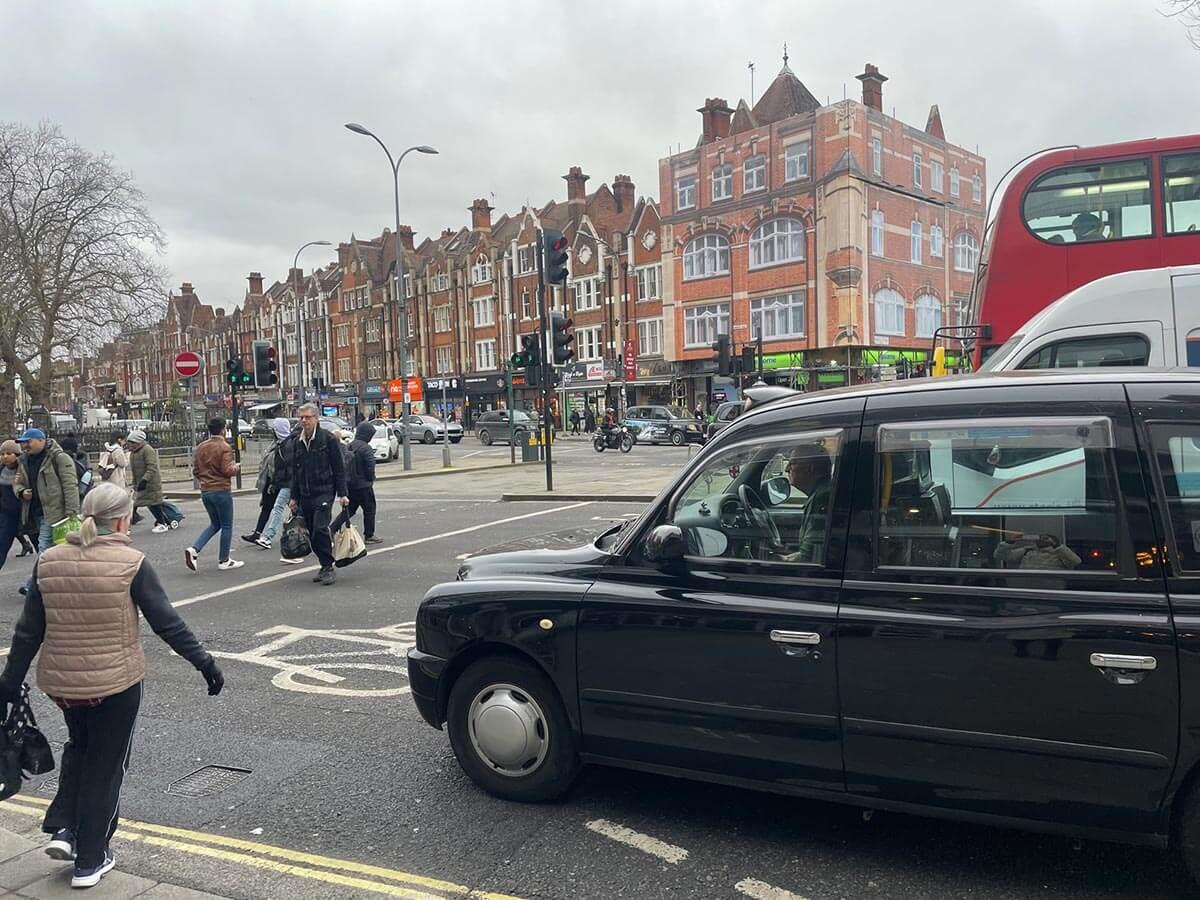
[360, 483]
[318, 476]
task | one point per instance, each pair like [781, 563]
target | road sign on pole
[188, 364]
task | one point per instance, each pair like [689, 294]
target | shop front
[445, 396]
[652, 385]
[484, 391]
[373, 400]
[591, 384]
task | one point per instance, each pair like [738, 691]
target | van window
[1101, 201]
[1177, 458]
[1181, 192]
[1016, 494]
[1103, 350]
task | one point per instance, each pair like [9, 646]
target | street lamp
[398, 292]
[299, 311]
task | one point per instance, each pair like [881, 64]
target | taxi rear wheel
[510, 732]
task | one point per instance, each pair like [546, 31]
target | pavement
[312, 776]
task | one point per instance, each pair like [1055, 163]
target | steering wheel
[757, 510]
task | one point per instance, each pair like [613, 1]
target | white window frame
[344, 369]
[485, 355]
[588, 343]
[342, 334]
[916, 234]
[685, 192]
[481, 272]
[955, 188]
[484, 309]
[649, 283]
[878, 228]
[650, 337]
[722, 176]
[440, 282]
[766, 314]
[754, 173]
[703, 322]
[923, 307]
[890, 303]
[706, 256]
[587, 294]
[524, 260]
[441, 318]
[526, 304]
[444, 359]
[410, 365]
[936, 249]
[976, 189]
[795, 161]
[937, 176]
[373, 330]
[877, 156]
[776, 242]
[916, 169]
[375, 366]
[966, 252]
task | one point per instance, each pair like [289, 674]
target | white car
[385, 445]
[339, 427]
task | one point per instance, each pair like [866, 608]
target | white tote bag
[348, 546]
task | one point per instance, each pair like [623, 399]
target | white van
[1150, 317]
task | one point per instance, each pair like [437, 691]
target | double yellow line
[343, 872]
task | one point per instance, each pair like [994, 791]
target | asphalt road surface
[351, 794]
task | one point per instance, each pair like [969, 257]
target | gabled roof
[787, 96]
[933, 125]
[743, 119]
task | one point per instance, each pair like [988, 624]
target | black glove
[212, 674]
[142, 485]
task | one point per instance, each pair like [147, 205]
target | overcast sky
[230, 112]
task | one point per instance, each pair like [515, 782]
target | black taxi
[975, 597]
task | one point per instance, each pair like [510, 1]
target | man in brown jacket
[213, 468]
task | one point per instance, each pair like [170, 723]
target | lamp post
[398, 291]
[303, 367]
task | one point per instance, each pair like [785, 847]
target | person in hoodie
[83, 468]
[48, 484]
[360, 484]
[11, 506]
[273, 487]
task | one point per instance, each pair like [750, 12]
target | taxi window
[1012, 494]
[1177, 458]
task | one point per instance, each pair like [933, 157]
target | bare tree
[1188, 13]
[77, 255]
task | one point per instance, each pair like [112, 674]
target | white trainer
[230, 564]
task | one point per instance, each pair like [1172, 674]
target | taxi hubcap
[508, 730]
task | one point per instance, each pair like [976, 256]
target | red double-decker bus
[1074, 214]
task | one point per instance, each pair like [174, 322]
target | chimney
[623, 192]
[872, 90]
[406, 237]
[255, 283]
[481, 215]
[715, 115]
[296, 277]
[447, 232]
[576, 185]
[220, 312]
[186, 288]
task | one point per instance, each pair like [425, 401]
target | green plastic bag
[60, 530]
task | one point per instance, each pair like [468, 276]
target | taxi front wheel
[510, 732]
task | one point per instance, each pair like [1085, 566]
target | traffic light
[560, 329]
[554, 256]
[724, 363]
[529, 356]
[237, 375]
[747, 359]
[264, 365]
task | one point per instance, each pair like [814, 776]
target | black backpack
[84, 474]
[350, 463]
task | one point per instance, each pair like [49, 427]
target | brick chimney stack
[255, 283]
[447, 232]
[715, 115]
[406, 237]
[576, 185]
[296, 279]
[623, 192]
[481, 215]
[186, 288]
[872, 87]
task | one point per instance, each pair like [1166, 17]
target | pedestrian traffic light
[562, 338]
[554, 256]
[237, 375]
[528, 357]
[724, 363]
[747, 359]
[264, 365]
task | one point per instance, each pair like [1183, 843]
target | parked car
[492, 426]
[385, 444]
[663, 424]
[965, 597]
[429, 429]
[339, 426]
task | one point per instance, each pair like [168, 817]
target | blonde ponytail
[104, 504]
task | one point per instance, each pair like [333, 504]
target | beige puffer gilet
[93, 646]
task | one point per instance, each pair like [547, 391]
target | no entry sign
[187, 364]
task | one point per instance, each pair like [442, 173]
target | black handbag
[294, 541]
[33, 750]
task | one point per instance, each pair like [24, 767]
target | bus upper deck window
[1090, 202]
[1181, 193]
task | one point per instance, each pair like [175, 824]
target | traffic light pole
[512, 447]
[236, 431]
[547, 366]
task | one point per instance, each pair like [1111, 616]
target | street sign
[352, 401]
[187, 364]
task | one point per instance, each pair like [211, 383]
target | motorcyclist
[608, 426]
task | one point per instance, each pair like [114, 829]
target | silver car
[429, 429]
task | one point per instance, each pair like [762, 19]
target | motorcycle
[612, 439]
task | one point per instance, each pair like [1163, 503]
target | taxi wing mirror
[776, 490]
[665, 543]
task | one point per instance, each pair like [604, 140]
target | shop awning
[652, 379]
[259, 407]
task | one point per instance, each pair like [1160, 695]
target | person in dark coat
[589, 419]
[574, 421]
[318, 480]
[10, 504]
[360, 484]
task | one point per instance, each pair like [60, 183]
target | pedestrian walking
[360, 484]
[213, 468]
[147, 481]
[83, 468]
[82, 614]
[114, 461]
[574, 421]
[589, 419]
[273, 487]
[11, 506]
[47, 482]
[318, 479]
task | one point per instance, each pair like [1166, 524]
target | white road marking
[308, 570]
[638, 841]
[760, 890]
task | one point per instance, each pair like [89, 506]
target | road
[351, 794]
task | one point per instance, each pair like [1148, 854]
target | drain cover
[206, 781]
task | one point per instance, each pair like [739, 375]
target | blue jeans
[44, 542]
[219, 505]
[281, 503]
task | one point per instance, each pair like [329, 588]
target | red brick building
[842, 235]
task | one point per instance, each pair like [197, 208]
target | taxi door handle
[1119, 661]
[805, 638]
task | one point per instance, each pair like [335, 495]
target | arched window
[966, 251]
[722, 183]
[889, 312]
[706, 255]
[929, 315]
[877, 232]
[777, 241]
